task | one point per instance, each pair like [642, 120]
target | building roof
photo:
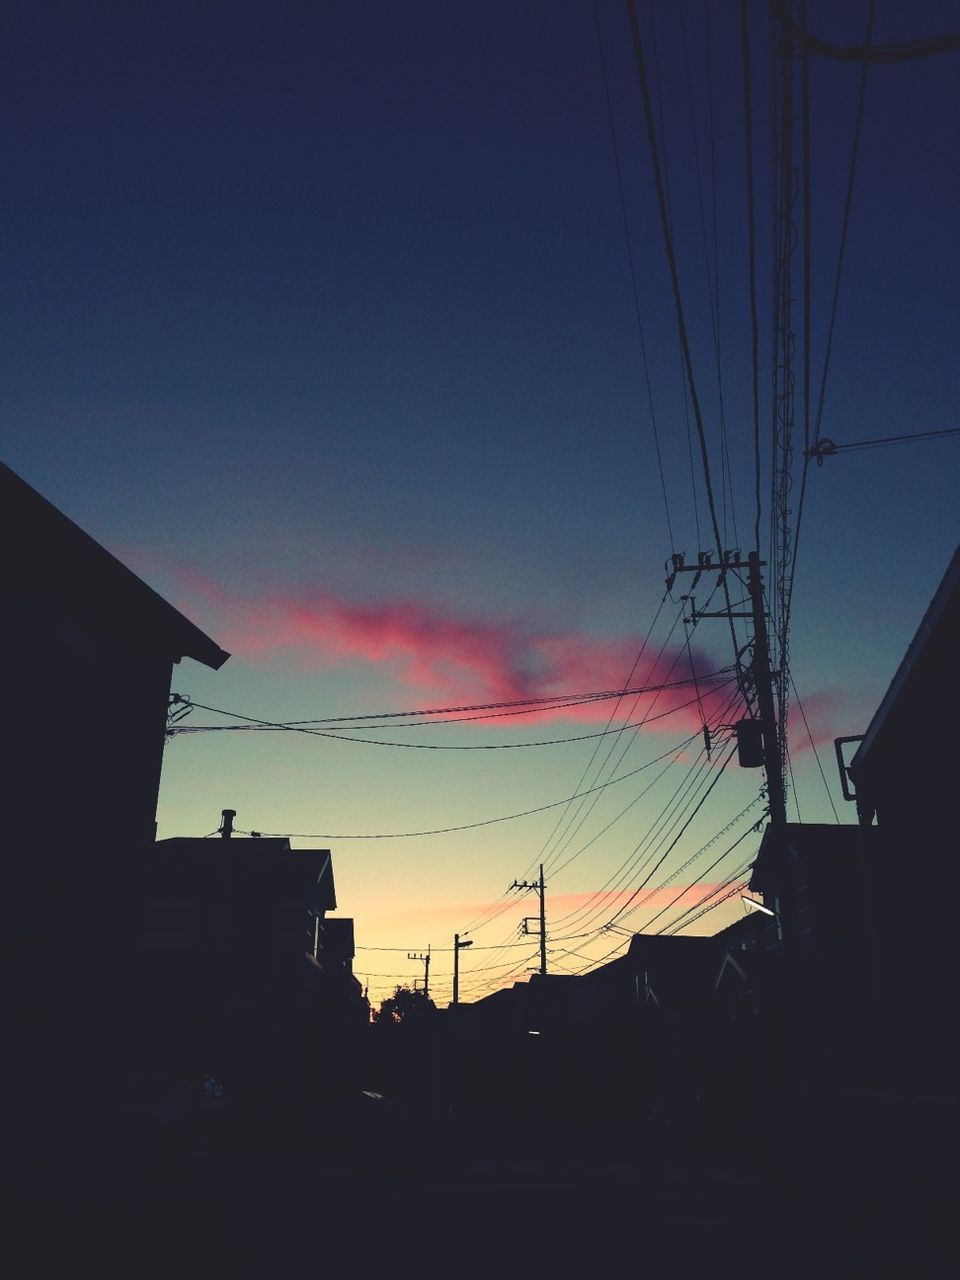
[263, 869]
[55, 558]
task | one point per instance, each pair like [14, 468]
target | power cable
[632, 268]
[713, 865]
[642, 853]
[608, 766]
[694, 857]
[903, 51]
[712, 267]
[825, 448]
[543, 856]
[265, 726]
[736, 887]
[643, 884]
[834, 306]
[752, 243]
[737, 884]
[675, 282]
[467, 826]
[658, 824]
[816, 753]
[529, 706]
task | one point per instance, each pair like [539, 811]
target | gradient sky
[320, 317]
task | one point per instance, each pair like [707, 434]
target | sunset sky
[320, 316]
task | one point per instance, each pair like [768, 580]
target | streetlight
[458, 946]
[757, 906]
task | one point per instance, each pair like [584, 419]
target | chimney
[226, 826]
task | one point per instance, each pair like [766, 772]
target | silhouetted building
[905, 775]
[242, 979]
[88, 651]
[661, 1025]
[831, 993]
[338, 948]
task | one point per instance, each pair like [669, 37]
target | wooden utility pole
[772, 757]
[764, 686]
[543, 926]
[417, 955]
[766, 708]
[537, 887]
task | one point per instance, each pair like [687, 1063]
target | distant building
[658, 1026]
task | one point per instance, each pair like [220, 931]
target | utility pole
[772, 754]
[764, 686]
[762, 679]
[458, 946]
[537, 887]
[417, 955]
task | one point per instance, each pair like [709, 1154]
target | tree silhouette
[405, 1007]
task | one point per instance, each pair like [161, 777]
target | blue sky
[321, 318]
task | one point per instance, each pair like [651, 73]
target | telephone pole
[537, 887]
[417, 955]
[762, 679]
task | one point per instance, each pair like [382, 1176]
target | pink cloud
[439, 655]
[444, 656]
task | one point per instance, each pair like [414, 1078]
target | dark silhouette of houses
[673, 1023]
[242, 980]
[88, 652]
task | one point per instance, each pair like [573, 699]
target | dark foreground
[846, 1185]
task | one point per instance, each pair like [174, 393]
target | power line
[827, 448]
[531, 706]
[903, 51]
[585, 809]
[816, 753]
[712, 269]
[622, 814]
[467, 826]
[810, 450]
[562, 818]
[694, 857]
[265, 726]
[671, 826]
[643, 884]
[438, 950]
[654, 831]
[642, 853]
[488, 917]
[675, 283]
[716, 862]
[737, 887]
[632, 268]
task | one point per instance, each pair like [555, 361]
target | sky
[324, 319]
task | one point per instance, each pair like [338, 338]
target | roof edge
[948, 586]
[185, 635]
